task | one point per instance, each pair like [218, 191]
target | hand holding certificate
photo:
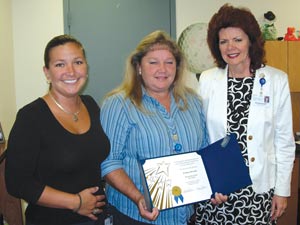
[181, 179]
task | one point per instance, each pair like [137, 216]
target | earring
[48, 81]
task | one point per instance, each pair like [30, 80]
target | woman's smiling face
[67, 70]
[234, 46]
[158, 70]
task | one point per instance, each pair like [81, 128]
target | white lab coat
[270, 140]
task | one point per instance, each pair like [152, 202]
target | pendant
[178, 147]
[175, 137]
[75, 118]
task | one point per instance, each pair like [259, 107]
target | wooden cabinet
[290, 215]
[296, 110]
[10, 207]
[294, 65]
[285, 55]
[276, 54]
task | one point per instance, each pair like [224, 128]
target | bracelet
[80, 203]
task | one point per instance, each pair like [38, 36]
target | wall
[35, 22]
[7, 93]
[26, 27]
[191, 11]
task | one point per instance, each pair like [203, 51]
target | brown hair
[59, 40]
[229, 16]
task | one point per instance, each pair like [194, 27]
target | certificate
[176, 180]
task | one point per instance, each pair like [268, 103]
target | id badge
[260, 99]
[108, 220]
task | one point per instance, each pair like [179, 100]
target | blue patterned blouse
[153, 133]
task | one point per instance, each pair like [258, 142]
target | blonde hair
[132, 82]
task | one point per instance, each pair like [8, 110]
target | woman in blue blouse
[151, 114]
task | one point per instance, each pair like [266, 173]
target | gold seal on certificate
[176, 191]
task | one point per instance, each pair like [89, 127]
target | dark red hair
[229, 16]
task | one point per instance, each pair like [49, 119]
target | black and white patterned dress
[244, 207]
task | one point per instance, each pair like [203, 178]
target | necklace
[171, 129]
[75, 115]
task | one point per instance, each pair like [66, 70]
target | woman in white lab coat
[245, 97]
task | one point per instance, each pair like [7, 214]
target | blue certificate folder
[220, 164]
[225, 166]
